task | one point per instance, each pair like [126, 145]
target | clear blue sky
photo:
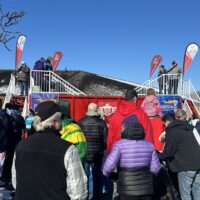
[116, 38]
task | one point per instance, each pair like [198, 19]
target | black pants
[174, 177]
[173, 86]
[6, 172]
[161, 88]
[146, 197]
[96, 173]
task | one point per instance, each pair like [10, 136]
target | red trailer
[107, 104]
[78, 104]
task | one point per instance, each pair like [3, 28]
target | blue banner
[37, 98]
[169, 103]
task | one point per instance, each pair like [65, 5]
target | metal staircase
[40, 82]
[48, 81]
[185, 89]
[10, 91]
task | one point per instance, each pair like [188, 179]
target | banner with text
[37, 98]
[170, 103]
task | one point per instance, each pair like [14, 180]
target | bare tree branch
[7, 21]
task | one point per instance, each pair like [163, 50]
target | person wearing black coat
[95, 130]
[162, 79]
[14, 135]
[182, 152]
[23, 73]
[5, 124]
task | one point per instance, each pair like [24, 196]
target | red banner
[154, 63]
[56, 59]
[19, 48]
[190, 53]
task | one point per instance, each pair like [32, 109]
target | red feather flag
[19, 48]
[56, 59]
[154, 63]
[190, 53]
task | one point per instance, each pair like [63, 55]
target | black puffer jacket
[182, 150]
[95, 130]
[135, 181]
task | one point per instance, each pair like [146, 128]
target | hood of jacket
[67, 121]
[184, 125]
[127, 107]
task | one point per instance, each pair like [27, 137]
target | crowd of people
[50, 156]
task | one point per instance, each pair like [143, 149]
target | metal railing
[47, 81]
[191, 94]
[172, 84]
[25, 107]
[187, 109]
[164, 84]
[10, 91]
[142, 89]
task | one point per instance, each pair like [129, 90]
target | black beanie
[134, 132]
[46, 109]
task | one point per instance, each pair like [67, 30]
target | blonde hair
[48, 123]
[151, 91]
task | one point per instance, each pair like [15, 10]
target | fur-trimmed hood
[48, 123]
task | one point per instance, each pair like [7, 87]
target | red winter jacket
[125, 109]
[157, 129]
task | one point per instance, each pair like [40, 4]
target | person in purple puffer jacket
[136, 160]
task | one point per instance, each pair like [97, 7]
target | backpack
[18, 126]
[18, 122]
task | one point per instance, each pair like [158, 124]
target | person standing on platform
[48, 64]
[175, 72]
[23, 73]
[162, 79]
